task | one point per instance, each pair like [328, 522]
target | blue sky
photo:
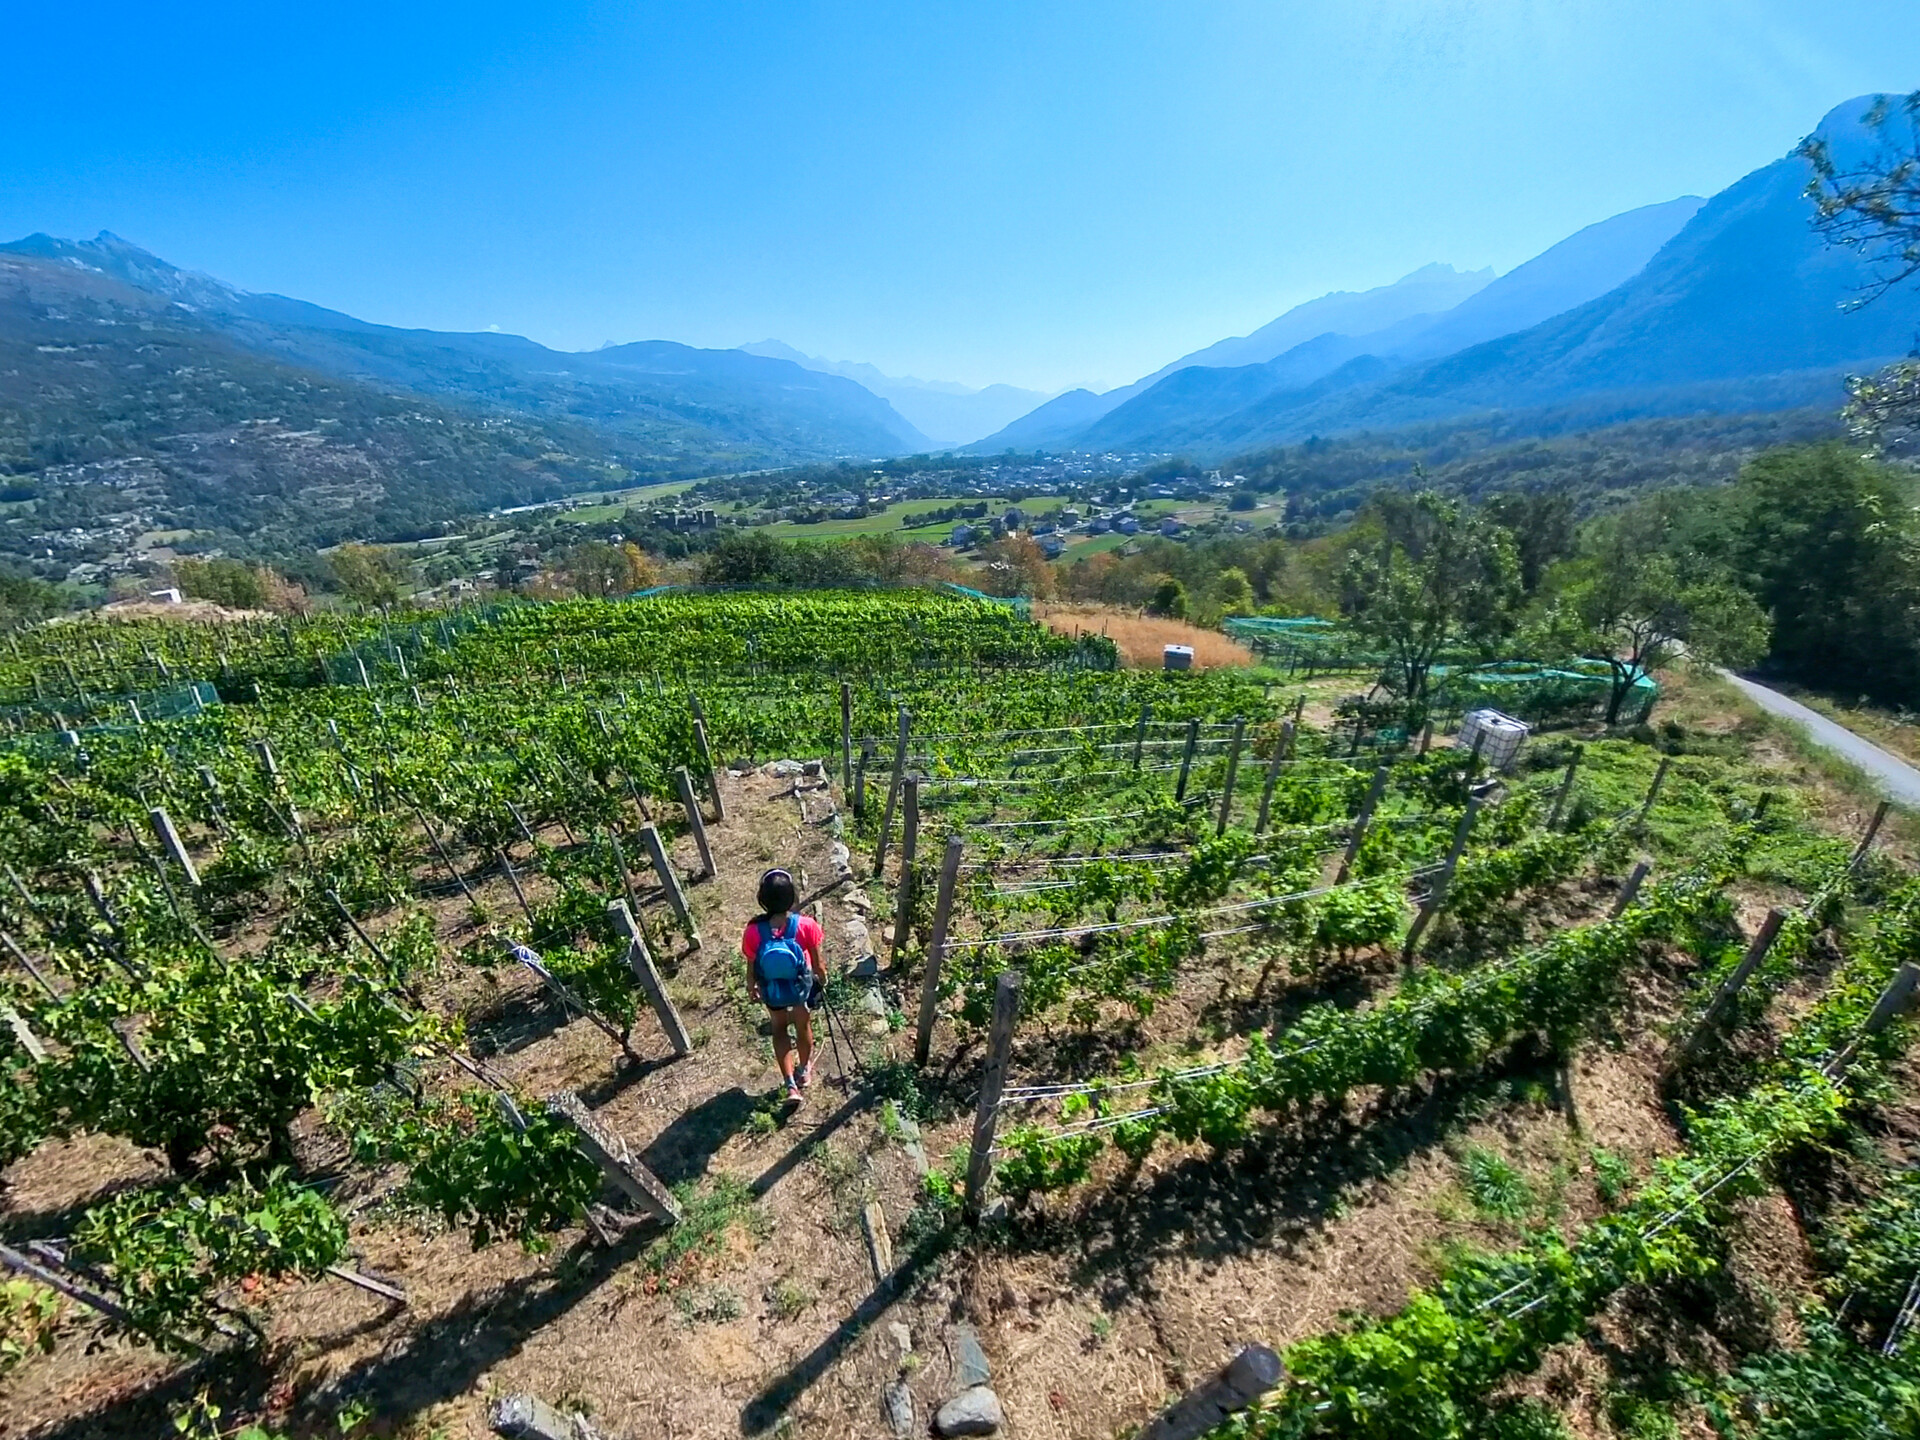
[1040, 193]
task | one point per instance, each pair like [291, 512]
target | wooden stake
[713, 775]
[909, 852]
[1361, 822]
[607, 1150]
[893, 789]
[690, 802]
[1893, 1001]
[163, 827]
[569, 999]
[669, 880]
[1279, 758]
[1186, 759]
[1438, 896]
[986, 1116]
[1653, 790]
[1629, 890]
[937, 949]
[1233, 772]
[1566, 789]
[846, 739]
[1244, 1379]
[1731, 986]
[445, 859]
[278, 781]
[39, 978]
[518, 893]
[1866, 840]
[641, 963]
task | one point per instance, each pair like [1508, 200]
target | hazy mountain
[1185, 407]
[1742, 307]
[667, 405]
[946, 412]
[1413, 299]
[1582, 267]
[121, 411]
[1745, 308]
[1431, 290]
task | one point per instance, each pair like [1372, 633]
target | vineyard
[377, 1045]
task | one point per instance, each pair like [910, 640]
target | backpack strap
[793, 928]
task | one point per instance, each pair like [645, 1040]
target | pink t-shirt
[809, 935]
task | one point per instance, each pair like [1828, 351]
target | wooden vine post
[1653, 790]
[1757, 949]
[1140, 732]
[640, 961]
[278, 781]
[1566, 789]
[1186, 759]
[1361, 822]
[618, 1163]
[1233, 771]
[1894, 1001]
[513, 879]
[170, 837]
[1006, 1009]
[1866, 840]
[1629, 890]
[937, 949]
[1237, 1385]
[893, 788]
[690, 802]
[1282, 748]
[909, 852]
[846, 739]
[1438, 895]
[706, 768]
[669, 880]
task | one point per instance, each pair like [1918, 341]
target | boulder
[974, 1411]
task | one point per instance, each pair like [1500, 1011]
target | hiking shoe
[802, 1075]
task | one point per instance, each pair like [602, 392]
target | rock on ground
[972, 1412]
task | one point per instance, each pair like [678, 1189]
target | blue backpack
[786, 980]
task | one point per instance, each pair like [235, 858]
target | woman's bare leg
[803, 1025]
[782, 1045]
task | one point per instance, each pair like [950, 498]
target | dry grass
[1142, 638]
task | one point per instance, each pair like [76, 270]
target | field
[886, 521]
[1168, 1013]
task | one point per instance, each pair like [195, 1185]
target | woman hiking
[782, 951]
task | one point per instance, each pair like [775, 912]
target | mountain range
[1728, 304]
[136, 395]
[947, 413]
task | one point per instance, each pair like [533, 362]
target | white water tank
[1177, 657]
[1500, 737]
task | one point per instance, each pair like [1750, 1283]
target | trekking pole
[833, 1040]
[836, 1022]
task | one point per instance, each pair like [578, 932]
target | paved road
[1897, 779]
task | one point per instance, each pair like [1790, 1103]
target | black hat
[777, 893]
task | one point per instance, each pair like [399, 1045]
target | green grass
[707, 1213]
[1095, 545]
[1498, 1190]
[887, 521]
